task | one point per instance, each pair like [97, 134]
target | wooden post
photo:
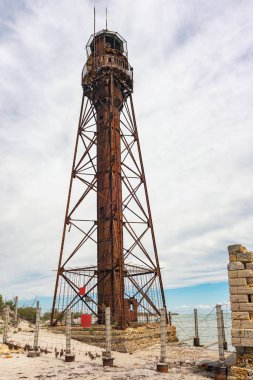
[36, 352]
[107, 355]
[225, 345]
[16, 312]
[68, 357]
[6, 321]
[170, 318]
[196, 342]
[220, 336]
[37, 328]
[162, 366]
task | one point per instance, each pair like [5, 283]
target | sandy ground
[184, 361]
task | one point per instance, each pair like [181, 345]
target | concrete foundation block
[33, 354]
[162, 367]
[69, 358]
[108, 362]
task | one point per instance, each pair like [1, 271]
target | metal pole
[108, 332]
[196, 338]
[37, 328]
[225, 345]
[162, 366]
[94, 40]
[66, 215]
[107, 357]
[148, 205]
[68, 357]
[163, 336]
[16, 312]
[6, 321]
[219, 330]
[68, 332]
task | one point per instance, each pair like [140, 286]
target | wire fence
[53, 340]
[207, 327]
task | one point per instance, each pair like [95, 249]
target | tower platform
[135, 337]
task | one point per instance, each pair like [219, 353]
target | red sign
[86, 320]
[82, 291]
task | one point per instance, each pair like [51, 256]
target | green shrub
[1, 302]
[27, 313]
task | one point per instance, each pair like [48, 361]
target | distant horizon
[180, 300]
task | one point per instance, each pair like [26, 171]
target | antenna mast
[94, 45]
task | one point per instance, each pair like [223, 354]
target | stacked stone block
[240, 273]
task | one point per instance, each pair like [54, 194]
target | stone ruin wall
[240, 274]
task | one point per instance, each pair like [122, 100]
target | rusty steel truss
[108, 214]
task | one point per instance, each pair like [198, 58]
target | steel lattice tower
[108, 213]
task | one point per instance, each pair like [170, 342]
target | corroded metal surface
[108, 161]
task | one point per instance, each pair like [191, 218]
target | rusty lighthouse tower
[108, 254]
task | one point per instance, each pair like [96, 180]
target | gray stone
[236, 248]
[33, 354]
[235, 265]
[246, 257]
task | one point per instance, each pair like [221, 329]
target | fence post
[162, 366]
[170, 318]
[68, 357]
[196, 342]
[221, 370]
[6, 321]
[219, 330]
[37, 328]
[16, 312]
[225, 345]
[107, 355]
[35, 352]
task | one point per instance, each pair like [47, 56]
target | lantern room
[106, 49]
[106, 41]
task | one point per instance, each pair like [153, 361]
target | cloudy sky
[193, 96]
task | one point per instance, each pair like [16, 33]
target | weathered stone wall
[240, 273]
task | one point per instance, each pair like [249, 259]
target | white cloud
[193, 89]
[203, 306]
[182, 307]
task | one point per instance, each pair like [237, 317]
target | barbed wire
[53, 341]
